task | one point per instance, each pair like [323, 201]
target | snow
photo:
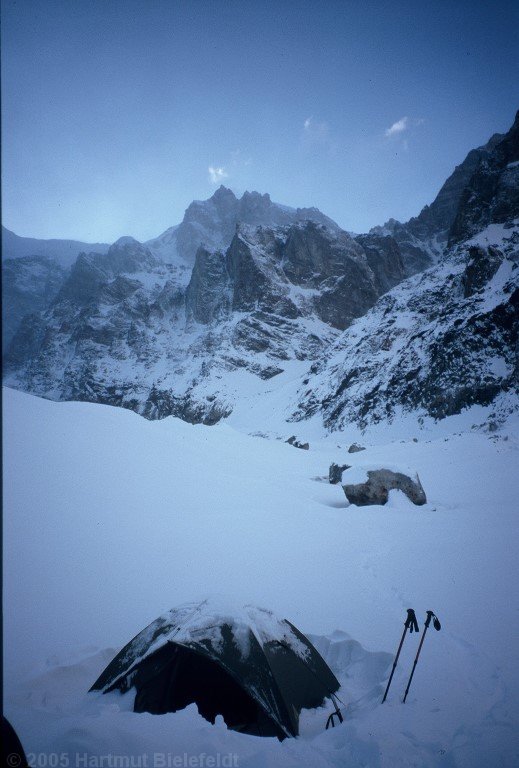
[494, 234]
[201, 623]
[111, 520]
[358, 472]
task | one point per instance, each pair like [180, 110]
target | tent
[255, 670]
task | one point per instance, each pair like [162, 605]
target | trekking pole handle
[435, 620]
[411, 623]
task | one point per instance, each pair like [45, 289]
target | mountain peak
[125, 240]
[256, 196]
[223, 193]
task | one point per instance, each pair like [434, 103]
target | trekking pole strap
[331, 720]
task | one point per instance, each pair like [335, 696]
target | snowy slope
[163, 339]
[434, 345]
[111, 519]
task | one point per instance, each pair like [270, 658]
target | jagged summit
[423, 238]
[212, 223]
[222, 193]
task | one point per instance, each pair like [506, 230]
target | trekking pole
[412, 625]
[437, 626]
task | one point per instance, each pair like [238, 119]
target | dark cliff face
[491, 195]
[435, 220]
[385, 260]
[93, 270]
[29, 284]
[422, 239]
[440, 342]
[208, 292]
[263, 267]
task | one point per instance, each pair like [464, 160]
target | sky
[116, 114]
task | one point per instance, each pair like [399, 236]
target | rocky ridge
[128, 329]
[243, 290]
[423, 238]
[445, 339]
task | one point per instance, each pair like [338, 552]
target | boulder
[335, 472]
[293, 441]
[356, 448]
[375, 490]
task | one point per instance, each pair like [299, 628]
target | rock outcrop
[422, 239]
[335, 473]
[445, 339]
[491, 195]
[442, 341]
[29, 284]
[375, 490]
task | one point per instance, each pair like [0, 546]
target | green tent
[255, 670]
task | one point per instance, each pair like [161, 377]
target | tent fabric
[254, 669]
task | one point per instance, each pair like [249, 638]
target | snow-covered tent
[255, 670]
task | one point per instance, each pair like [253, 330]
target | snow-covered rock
[212, 223]
[29, 284]
[245, 291]
[441, 341]
[364, 486]
[128, 329]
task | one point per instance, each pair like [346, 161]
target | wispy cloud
[403, 125]
[238, 159]
[216, 174]
[399, 127]
[315, 131]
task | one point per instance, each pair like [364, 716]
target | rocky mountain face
[29, 284]
[492, 192]
[445, 339]
[128, 329]
[212, 223]
[423, 238]
[244, 294]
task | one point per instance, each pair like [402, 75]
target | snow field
[110, 520]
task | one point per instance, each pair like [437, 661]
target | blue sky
[116, 114]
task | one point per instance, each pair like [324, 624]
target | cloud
[239, 159]
[217, 174]
[315, 132]
[398, 127]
